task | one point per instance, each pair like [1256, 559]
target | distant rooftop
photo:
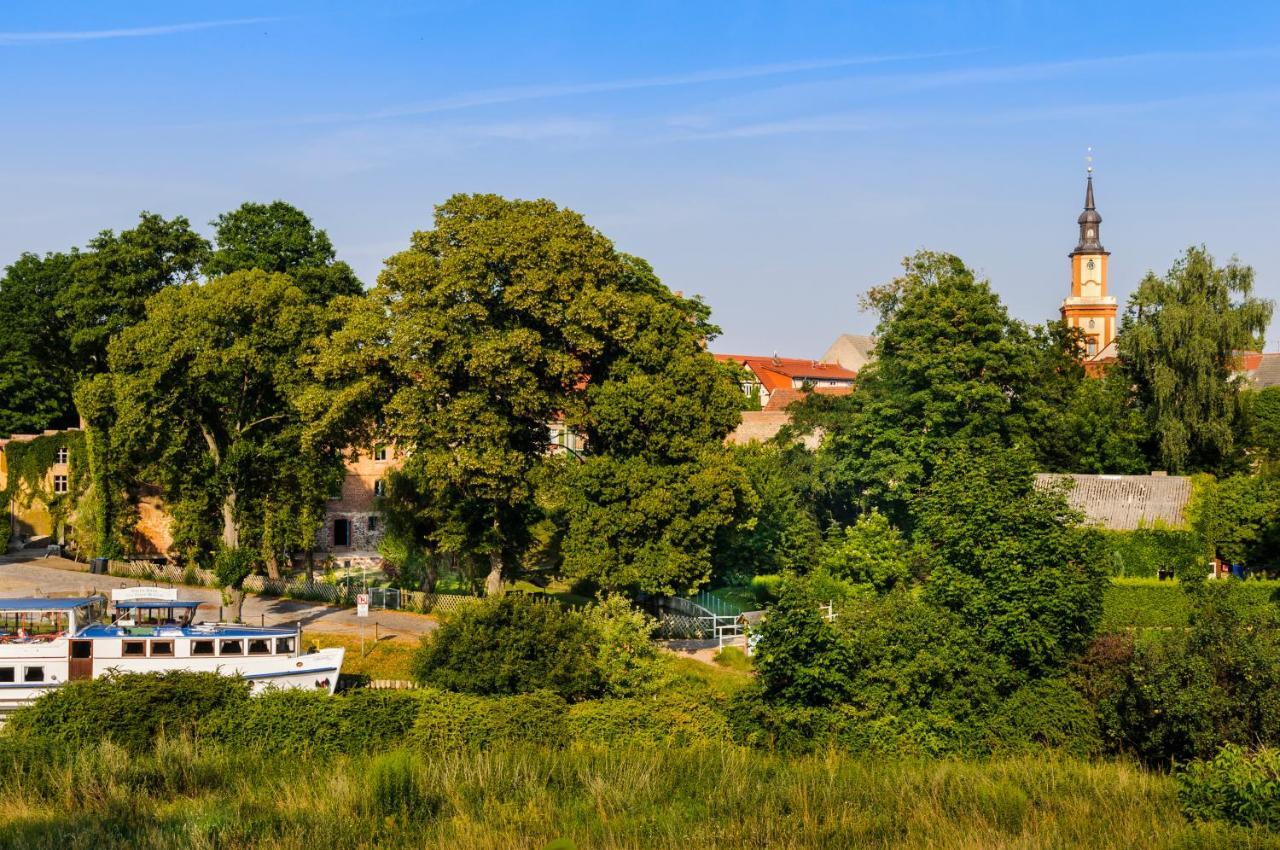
[1126, 502]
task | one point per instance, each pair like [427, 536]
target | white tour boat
[45, 643]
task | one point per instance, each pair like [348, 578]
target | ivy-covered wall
[28, 497]
[1142, 552]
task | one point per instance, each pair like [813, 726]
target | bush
[512, 645]
[1048, 713]
[628, 662]
[668, 720]
[453, 722]
[1236, 786]
[130, 709]
[293, 721]
[1144, 551]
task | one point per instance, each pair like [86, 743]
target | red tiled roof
[781, 399]
[780, 372]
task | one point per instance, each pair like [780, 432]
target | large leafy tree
[1179, 344]
[1009, 558]
[279, 237]
[110, 282]
[204, 390]
[36, 377]
[657, 489]
[477, 337]
[951, 368]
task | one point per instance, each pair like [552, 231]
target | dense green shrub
[294, 721]
[512, 644]
[1235, 785]
[871, 551]
[1049, 713]
[628, 661]
[452, 721]
[1144, 551]
[668, 720]
[130, 709]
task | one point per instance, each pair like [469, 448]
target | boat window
[232, 647]
[284, 644]
[6, 674]
[135, 647]
[161, 647]
[202, 647]
[260, 646]
[33, 674]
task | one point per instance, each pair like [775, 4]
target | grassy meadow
[204, 797]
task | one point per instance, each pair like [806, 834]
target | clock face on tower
[1090, 265]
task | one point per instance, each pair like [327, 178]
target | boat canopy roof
[38, 603]
[152, 603]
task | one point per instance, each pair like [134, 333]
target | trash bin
[98, 566]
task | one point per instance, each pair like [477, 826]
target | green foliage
[800, 656]
[1099, 429]
[951, 368]
[512, 645]
[231, 566]
[871, 551]
[129, 709]
[453, 721]
[1264, 420]
[1238, 517]
[1046, 713]
[1177, 694]
[1179, 341]
[1236, 785]
[279, 237]
[35, 371]
[667, 720]
[1142, 552]
[783, 534]
[1143, 604]
[1010, 559]
[629, 662]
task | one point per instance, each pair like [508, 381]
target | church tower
[1089, 307]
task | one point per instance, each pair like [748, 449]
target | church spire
[1089, 221]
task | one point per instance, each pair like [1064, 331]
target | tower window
[1091, 346]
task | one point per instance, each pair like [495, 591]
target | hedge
[1148, 603]
[1144, 551]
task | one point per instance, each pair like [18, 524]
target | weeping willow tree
[1180, 344]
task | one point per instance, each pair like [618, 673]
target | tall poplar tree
[1180, 344]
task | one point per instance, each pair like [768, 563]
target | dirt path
[31, 574]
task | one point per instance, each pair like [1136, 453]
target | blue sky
[777, 158]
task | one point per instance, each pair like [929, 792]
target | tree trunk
[237, 602]
[432, 576]
[230, 530]
[493, 582]
[311, 564]
[273, 565]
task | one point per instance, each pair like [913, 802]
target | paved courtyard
[31, 574]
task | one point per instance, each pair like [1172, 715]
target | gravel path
[31, 574]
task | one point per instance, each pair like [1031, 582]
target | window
[373, 523]
[202, 647]
[342, 532]
[379, 488]
[135, 647]
[284, 645]
[232, 647]
[6, 674]
[33, 674]
[161, 647]
[1091, 346]
[260, 646]
[63, 454]
[81, 649]
[59, 483]
[380, 453]
[335, 495]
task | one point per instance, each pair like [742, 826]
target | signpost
[362, 610]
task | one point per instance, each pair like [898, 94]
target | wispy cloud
[515, 94]
[60, 36]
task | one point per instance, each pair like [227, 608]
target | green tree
[279, 237]
[951, 368]
[1099, 430]
[110, 282]
[204, 391]
[1264, 418]
[630, 663]
[1238, 518]
[35, 371]
[871, 551]
[801, 658]
[657, 490]
[1010, 559]
[784, 533]
[1179, 345]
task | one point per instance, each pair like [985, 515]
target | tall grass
[195, 795]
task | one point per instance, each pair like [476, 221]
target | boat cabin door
[81, 660]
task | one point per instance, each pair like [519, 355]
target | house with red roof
[769, 376]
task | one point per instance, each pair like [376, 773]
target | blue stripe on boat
[290, 673]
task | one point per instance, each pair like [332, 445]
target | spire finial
[1088, 161]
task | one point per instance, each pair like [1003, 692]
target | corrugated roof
[1126, 502]
[1267, 372]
